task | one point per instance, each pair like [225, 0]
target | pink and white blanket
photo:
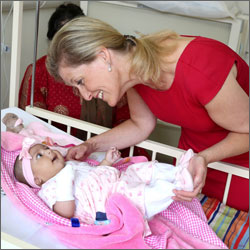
[41, 134]
[181, 225]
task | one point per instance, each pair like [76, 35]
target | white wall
[243, 6]
[128, 20]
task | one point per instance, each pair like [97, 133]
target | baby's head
[42, 164]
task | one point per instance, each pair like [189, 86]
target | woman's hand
[79, 152]
[198, 170]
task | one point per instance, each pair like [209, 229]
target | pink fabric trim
[64, 146]
[18, 122]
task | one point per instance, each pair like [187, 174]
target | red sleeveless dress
[200, 73]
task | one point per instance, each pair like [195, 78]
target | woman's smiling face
[93, 80]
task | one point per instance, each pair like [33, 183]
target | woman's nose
[86, 94]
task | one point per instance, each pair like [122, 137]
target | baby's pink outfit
[148, 185]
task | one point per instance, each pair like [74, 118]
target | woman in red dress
[197, 83]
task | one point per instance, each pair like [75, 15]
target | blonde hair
[78, 42]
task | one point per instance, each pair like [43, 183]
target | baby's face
[45, 163]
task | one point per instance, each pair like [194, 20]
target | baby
[76, 189]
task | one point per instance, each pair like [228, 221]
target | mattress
[231, 225]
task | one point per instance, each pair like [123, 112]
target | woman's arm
[230, 110]
[134, 130]
[65, 208]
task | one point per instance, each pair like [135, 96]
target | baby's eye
[38, 156]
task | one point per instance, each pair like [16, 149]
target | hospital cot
[231, 225]
[19, 231]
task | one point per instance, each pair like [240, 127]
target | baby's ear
[38, 181]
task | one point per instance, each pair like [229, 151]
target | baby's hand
[112, 155]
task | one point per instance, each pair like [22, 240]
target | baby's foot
[185, 179]
[184, 175]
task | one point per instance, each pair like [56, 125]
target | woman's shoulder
[206, 57]
[205, 65]
[207, 49]
[209, 43]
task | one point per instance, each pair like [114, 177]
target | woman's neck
[167, 74]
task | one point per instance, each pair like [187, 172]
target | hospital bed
[223, 218]
[19, 231]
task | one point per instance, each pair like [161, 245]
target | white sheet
[14, 222]
[201, 9]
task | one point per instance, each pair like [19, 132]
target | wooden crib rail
[154, 147]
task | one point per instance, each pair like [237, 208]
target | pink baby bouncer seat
[181, 225]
